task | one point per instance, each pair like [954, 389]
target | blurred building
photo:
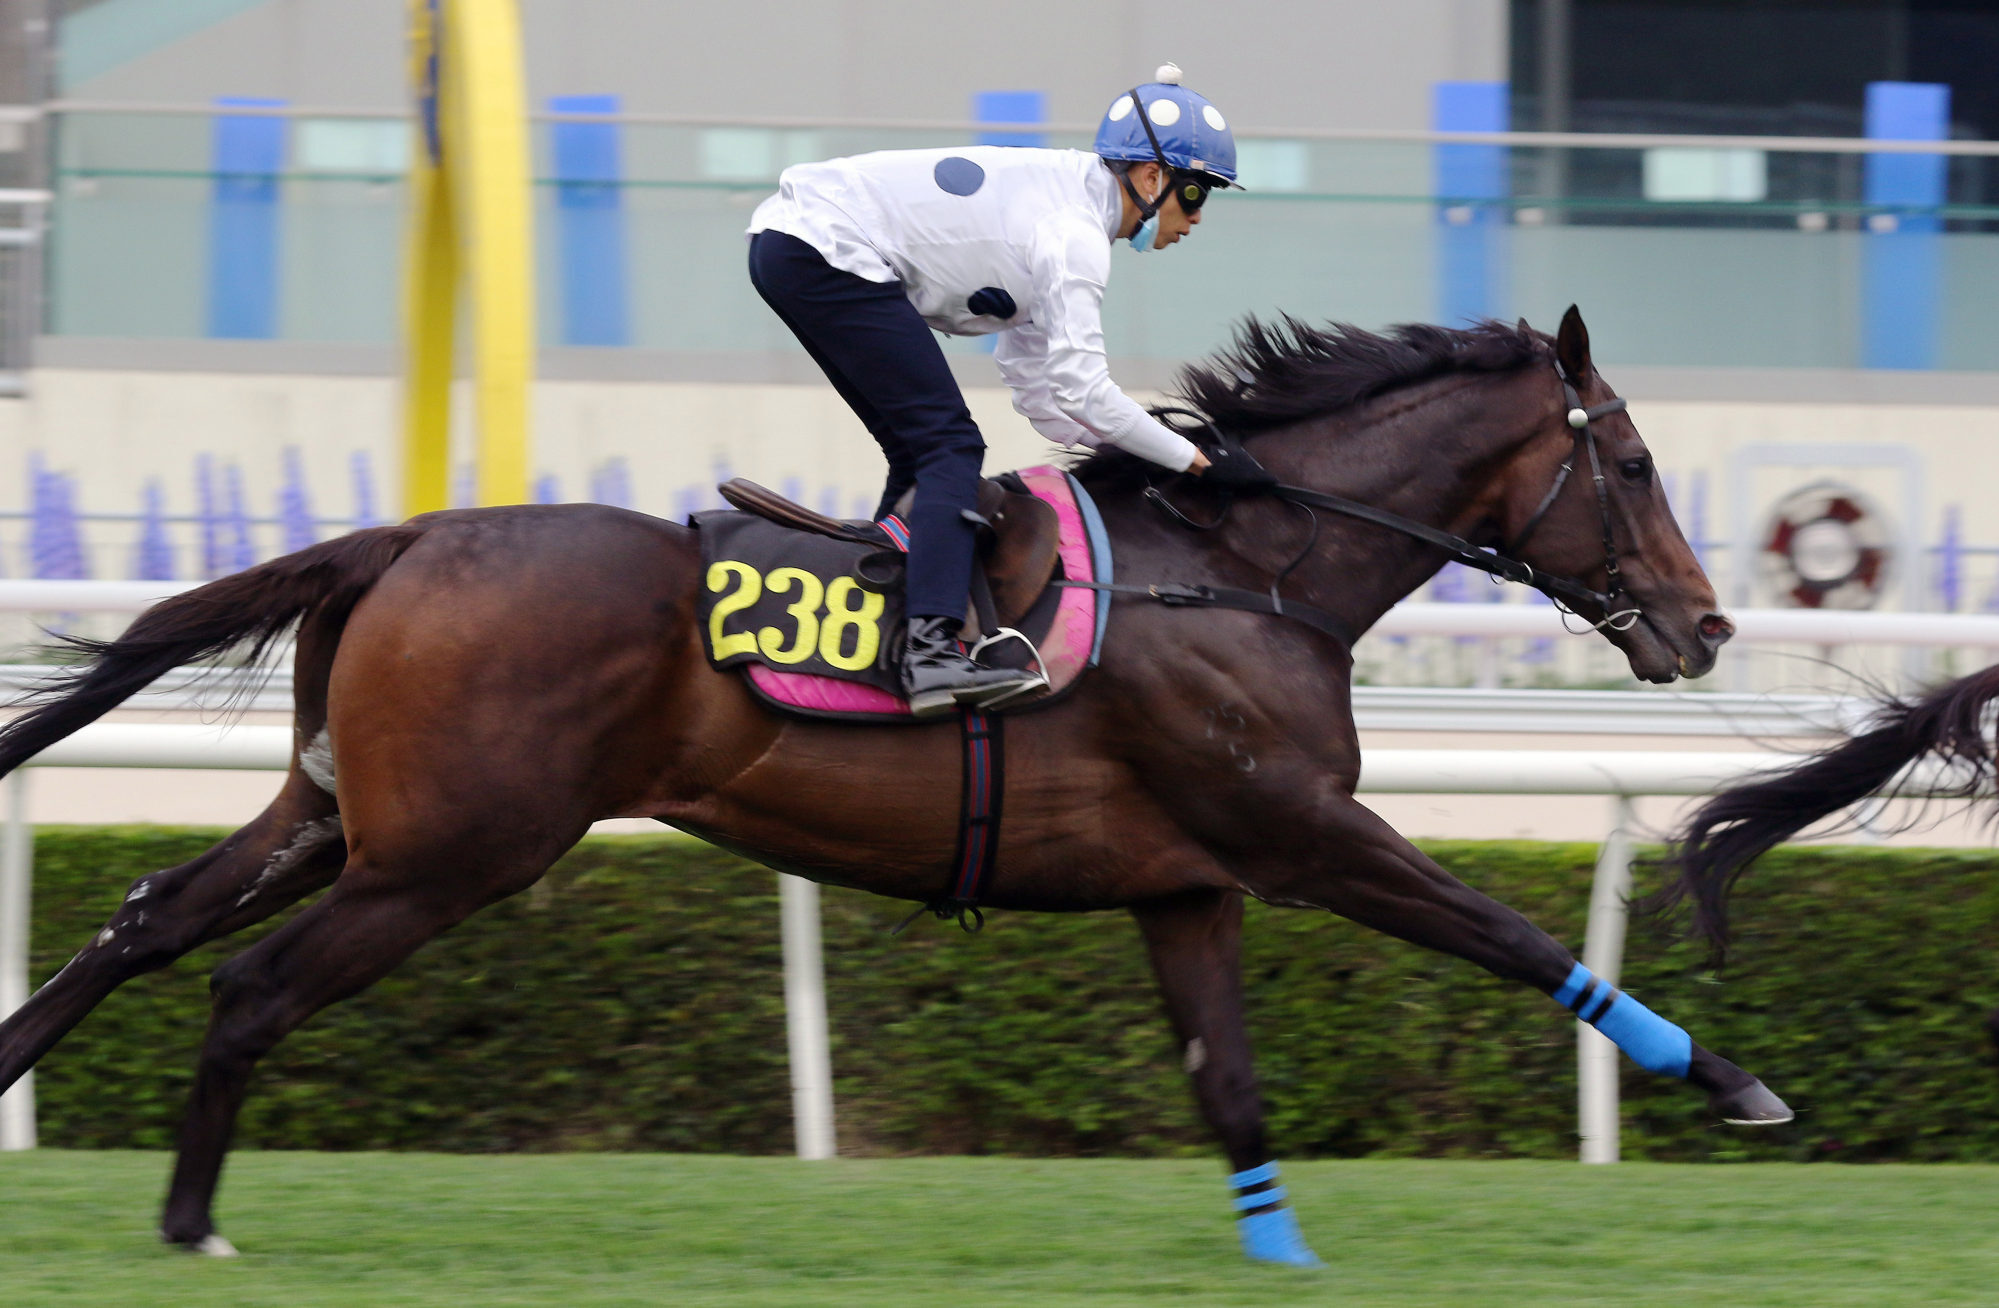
[224, 286]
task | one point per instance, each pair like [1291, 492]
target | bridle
[1568, 595]
[1580, 419]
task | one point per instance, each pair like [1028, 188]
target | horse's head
[1662, 611]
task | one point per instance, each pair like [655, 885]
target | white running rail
[1452, 709]
[26, 596]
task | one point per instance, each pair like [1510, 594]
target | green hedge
[634, 1002]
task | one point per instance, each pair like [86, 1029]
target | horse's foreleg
[1382, 881]
[293, 848]
[1195, 940]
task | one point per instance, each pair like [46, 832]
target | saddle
[810, 607]
[1020, 539]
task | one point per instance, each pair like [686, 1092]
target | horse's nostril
[1715, 629]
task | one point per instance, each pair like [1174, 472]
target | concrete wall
[1271, 63]
[113, 429]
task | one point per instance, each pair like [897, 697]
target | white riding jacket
[947, 224]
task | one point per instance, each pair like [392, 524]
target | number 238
[825, 636]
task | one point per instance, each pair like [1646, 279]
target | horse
[474, 688]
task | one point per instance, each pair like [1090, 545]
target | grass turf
[580, 1230]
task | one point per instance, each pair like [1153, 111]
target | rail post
[1603, 954]
[805, 1017]
[17, 1105]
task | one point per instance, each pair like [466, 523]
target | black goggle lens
[1193, 193]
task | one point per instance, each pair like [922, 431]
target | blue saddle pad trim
[1100, 560]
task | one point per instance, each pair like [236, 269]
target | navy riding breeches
[879, 354]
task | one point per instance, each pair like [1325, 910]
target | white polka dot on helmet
[1191, 133]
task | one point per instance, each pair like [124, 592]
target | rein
[1567, 594]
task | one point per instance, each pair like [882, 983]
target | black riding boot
[938, 675]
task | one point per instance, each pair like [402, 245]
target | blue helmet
[1192, 136]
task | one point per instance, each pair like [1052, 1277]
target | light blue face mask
[1147, 233]
[1148, 230]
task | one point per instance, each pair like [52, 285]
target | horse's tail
[253, 607]
[1733, 829]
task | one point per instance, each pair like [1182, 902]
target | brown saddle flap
[1019, 559]
[1021, 552]
[767, 503]
[1027, 540]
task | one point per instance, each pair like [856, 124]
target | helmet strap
[1145, 121]
[1148, 210]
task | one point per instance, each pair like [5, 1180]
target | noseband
[1566, 594]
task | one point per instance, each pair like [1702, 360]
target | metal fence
[1693, 250]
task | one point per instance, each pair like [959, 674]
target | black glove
[992, 302]
[1231, 468]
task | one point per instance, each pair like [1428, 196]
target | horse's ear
[1572, 345]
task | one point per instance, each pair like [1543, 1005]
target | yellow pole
[489, 177]
[430, 285]
[469, 230]
[430, 302]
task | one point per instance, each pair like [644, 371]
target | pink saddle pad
[1072, 642]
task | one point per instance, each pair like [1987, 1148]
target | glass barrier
[1680, 255]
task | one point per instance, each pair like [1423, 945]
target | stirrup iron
[1035, 665]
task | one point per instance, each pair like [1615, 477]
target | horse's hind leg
[291, 849]
[366, 925]
[1195, 940]
[1384, 882]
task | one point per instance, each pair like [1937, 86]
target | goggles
[1192, 190]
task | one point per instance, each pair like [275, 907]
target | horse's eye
[1637, 470]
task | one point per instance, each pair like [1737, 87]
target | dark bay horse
[474, 688]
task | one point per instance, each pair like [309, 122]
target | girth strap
[979, 809]
[980, 792]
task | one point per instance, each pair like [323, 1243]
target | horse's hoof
[208, 1246]
[1752, 1105]
[1273, 1237]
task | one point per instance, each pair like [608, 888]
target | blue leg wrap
[1272, 1235]
[1648, 1039]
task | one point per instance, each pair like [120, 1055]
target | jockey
[862, 256]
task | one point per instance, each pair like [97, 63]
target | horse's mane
[1277, 373]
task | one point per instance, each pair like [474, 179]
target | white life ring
[1826, 547]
